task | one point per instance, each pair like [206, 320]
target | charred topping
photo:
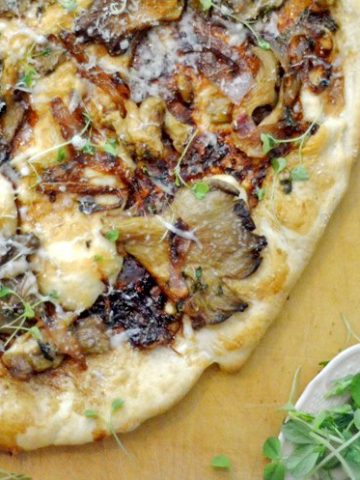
[137, 305]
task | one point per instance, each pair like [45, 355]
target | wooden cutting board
[234, 413]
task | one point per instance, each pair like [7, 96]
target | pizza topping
[135, 303]
[116, 25]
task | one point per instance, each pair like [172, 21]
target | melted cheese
[8, 213]
[75, 259]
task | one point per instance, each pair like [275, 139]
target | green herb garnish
[111, 146]
[28, 77]
[279, 164]
[299, 174]
[91, 414]
[4, 475]
[323, 442]
[61, 155]
[35, 333]
[177, 173]
[221, 462]
[117, 404]
[260, 193]
[206, 4]
[112, 235]
[269, 142]
[200, 190]
[68, 5]
[4, 291]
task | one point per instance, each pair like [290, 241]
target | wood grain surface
[234, 413]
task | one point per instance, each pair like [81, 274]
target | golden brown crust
[48, 409]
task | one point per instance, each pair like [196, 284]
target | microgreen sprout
[61, 155]
[68, 5]
[116, 405]
[4, 475]
[299, 174]
[321, 442]
[111, 146]
[224, 10]
[260, 193]
[200, 190]
[61, 152]
[177, 173]
[269, 142]
[112, 235]
[18, 324]
[28, 78]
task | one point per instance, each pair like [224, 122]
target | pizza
[167, 169]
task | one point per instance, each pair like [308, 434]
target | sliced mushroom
[144, 126]
[252, 9]
[225, 248]
[13, 255]
[27, 356]
[90, 332]
[114, 24]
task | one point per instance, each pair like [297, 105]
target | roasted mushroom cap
[225, 248]
[115, 23]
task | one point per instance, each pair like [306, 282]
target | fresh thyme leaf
[260, 193]
[268, 142]
[221, 462]
[4, 291]
[206, 4]
[355, 390]
[278, 164]
[300, 174]
[54, 295]
[46, 52]
[198, 273]
[200, 190]
[88, 148]
[36, 333]
[28, 77]
[91, 414]
[117, 404]
[274, 471]
[61, 155]
[263, 44]
[28, 311]
[112, 235]
[111, 146]
[272, 448]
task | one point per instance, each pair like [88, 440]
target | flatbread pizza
[167, 169]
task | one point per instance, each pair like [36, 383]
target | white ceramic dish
[312, 400]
